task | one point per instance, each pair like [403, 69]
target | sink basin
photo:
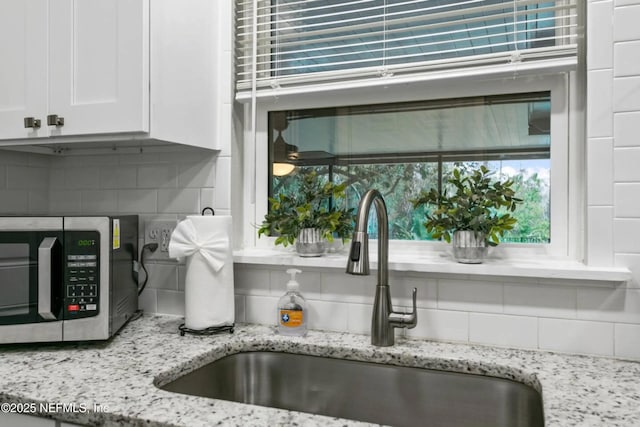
[364, 391]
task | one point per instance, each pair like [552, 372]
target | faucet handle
[406, 320]
[414, 313]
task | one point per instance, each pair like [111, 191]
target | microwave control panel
[81, 274]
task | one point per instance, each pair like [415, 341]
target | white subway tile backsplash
[240, 309]
[250, 280]
[540, 301]
[200, 174]
[170, 302]
[162, 276]
[328, 316]
[261, 310]
[625, 164]
[8, 157]
[600, 235]
[627, 341]
[599, 171]
[359, 318]
[625, 23]
[81, 178]
[626, 94]
[137, 201]
[157, 176]
[620, 305]
[120, 177]
[402, 288]
[572, 336]
[441, 325]
[182, 275]
[56, 179]
[26, 177]
[627, 200]
[3, 177]
[341, 287]
[626, 235]
[148, 301]
[14, 201]
[65, 201]
[38, 202]
[508, 331]
[599, 119]
[309, 282]
[600, 46]
[470, 296]
[208, 200]
[626, 61]
[99, 202]
[185, 201]
[626, 127]
[66, 162]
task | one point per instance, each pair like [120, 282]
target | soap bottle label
[291, 318]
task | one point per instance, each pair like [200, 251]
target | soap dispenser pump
[292, 309]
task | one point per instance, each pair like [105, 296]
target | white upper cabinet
[23, 66]
[113, 70]
[98, 66]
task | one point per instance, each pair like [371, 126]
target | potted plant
[473, 208]
[309, 216]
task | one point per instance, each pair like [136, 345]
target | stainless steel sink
[376, 393]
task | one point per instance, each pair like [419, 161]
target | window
[403, 148]
[481, 59]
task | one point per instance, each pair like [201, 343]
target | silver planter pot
[310, 243]
[469, 247]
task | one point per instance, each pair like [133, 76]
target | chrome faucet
[384, 320]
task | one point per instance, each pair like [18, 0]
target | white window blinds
[304, 42]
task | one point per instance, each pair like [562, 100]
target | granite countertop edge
[114, 383]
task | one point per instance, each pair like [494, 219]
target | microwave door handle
[44, 277]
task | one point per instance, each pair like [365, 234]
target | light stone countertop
[119, 376]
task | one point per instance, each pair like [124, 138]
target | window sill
[542, 268]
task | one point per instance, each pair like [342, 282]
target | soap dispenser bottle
[292, 309]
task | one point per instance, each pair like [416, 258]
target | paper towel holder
[213, 213]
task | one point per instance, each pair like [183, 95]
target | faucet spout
[384, 319]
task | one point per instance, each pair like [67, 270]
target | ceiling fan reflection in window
[287, 156]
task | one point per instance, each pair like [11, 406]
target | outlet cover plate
[158, 232]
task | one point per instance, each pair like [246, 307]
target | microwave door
[30, 280]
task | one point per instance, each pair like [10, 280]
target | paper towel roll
[205, 242]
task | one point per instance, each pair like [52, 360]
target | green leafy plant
[477, 203]
[314, 205]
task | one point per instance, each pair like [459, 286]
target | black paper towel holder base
[212, 330]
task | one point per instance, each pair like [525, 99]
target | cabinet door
[99, 75]
[23, 67]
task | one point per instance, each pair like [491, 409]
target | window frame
[565, 193]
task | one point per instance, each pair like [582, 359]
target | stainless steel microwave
[67, 278]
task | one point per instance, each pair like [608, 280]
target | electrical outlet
[159, 232]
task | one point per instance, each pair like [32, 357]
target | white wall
[613, 150]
